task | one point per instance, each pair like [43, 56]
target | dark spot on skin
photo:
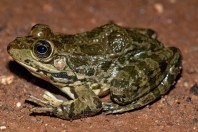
[105, 65]
[60, 75]
[63, 75]
[89, 71]
[163, 66]
[27, 61]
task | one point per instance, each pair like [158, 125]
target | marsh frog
[129, 64]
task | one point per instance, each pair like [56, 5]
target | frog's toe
[37, 100]
[48, 106]
[46, 109]
[52, 99]
[49, 100]
[45, 105]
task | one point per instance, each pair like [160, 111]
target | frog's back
[107, 39]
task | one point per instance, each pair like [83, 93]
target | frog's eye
[40, 31]
[42, 49]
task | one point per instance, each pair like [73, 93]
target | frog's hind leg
[156, 93]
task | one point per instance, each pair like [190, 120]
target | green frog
[129, 64]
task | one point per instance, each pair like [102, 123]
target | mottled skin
[130, 64]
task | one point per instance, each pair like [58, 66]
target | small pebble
[2, 127]
[172, 1]
[191, 71]
[159, 8]
[195, 120]
[48, 8]
[188, 99]
[194, 98]
[6, 79]
[18, 104]
[186, 84]
[194, 89]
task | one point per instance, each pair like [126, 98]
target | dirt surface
[176, 22]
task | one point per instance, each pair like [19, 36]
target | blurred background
[175, 21]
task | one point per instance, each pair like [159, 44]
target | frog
[130, 65]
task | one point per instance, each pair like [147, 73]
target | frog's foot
[85, 104]
[48, 104]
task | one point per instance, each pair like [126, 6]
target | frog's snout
[9, 48]
[12, 46]
[15, 44]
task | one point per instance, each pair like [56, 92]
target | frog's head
[38, 54]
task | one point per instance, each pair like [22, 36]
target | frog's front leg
[144, 81]
[84, 104]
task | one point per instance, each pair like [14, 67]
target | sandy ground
[176, 22]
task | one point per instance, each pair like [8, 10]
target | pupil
[41, 49]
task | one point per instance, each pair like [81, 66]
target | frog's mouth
[55, 77]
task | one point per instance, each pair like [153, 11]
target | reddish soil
[176, 22]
